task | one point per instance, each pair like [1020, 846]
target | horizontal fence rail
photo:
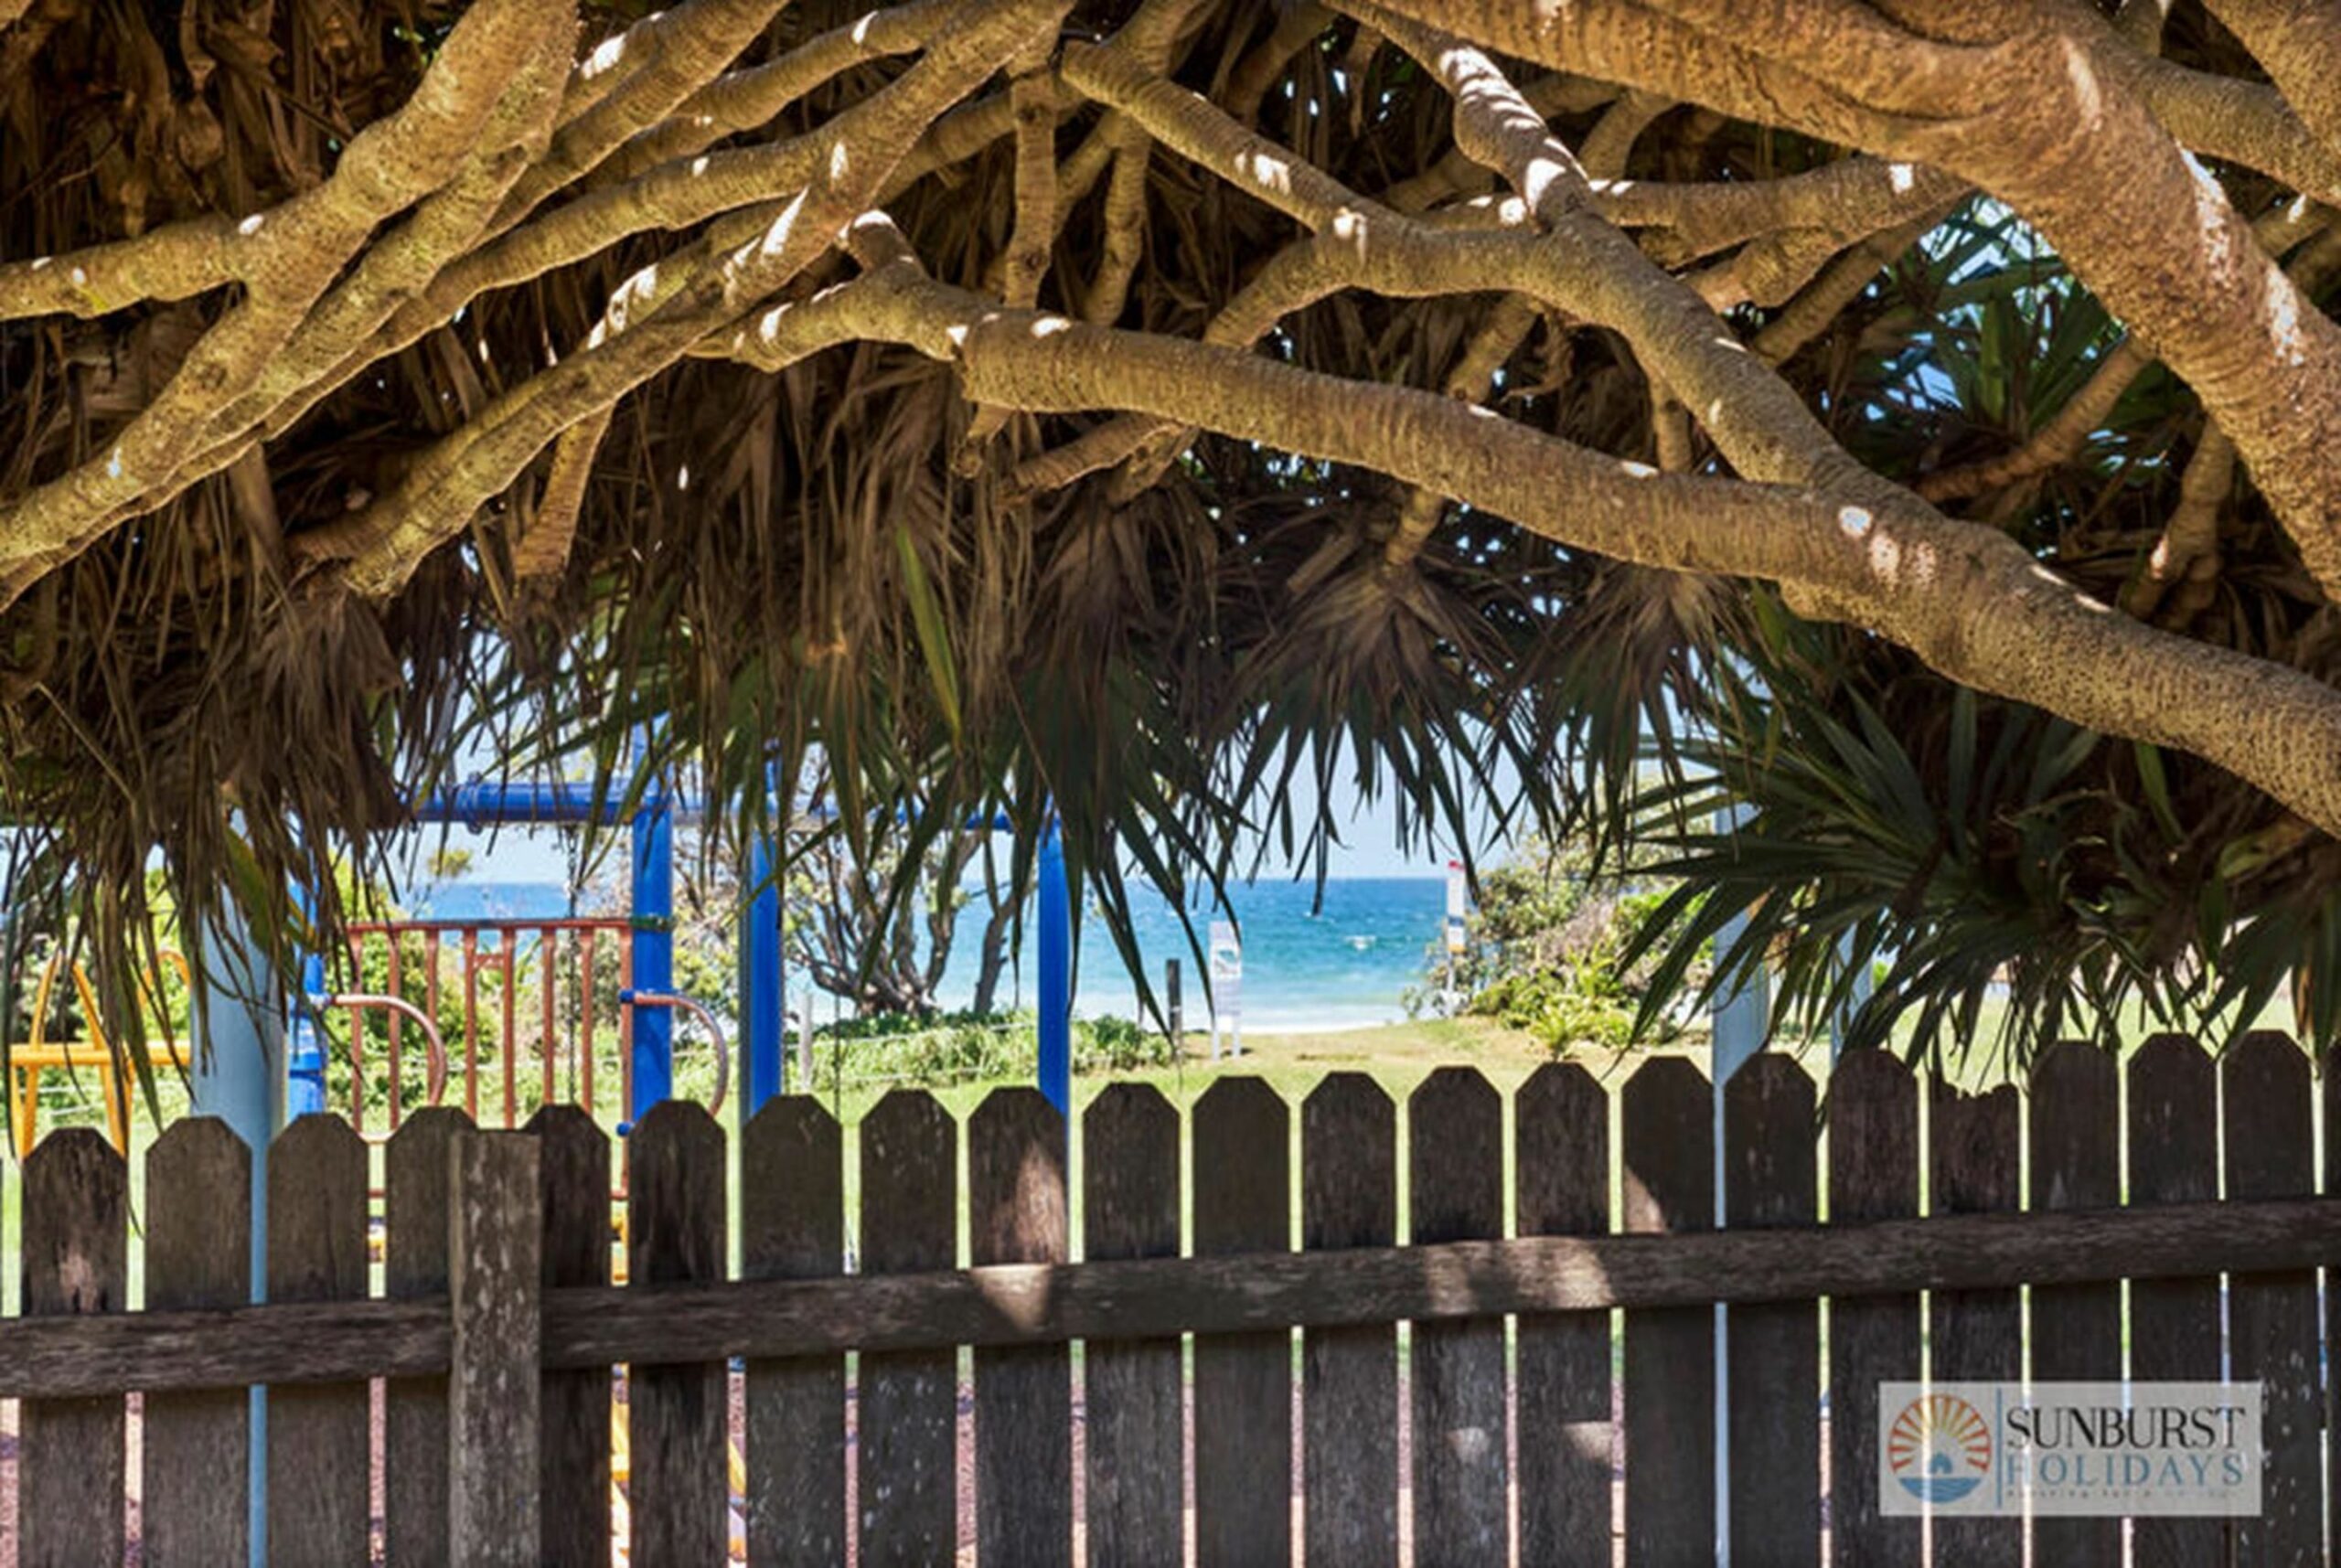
[1402, 1341]
[1033, 1303]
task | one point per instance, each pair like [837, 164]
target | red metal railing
[555, 959]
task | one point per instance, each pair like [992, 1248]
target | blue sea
[1344, 966]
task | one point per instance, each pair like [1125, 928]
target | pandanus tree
[1915, 424]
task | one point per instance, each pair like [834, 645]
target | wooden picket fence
[1487, 1429]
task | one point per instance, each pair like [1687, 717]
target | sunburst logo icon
[1939, 1448]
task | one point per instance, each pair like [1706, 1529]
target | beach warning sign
[1227, 987]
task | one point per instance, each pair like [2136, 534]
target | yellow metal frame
[40, 1054]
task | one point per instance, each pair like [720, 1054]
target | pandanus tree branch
[698, 190]
[1969, 601]
[2056, 120]
[293, 260]
[376, 551]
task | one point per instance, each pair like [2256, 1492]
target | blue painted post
[1056, 971]
[764, 992]
[654, 950]
[239, 1039]
[305, 1091]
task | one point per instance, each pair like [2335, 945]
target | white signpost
[1227, 987]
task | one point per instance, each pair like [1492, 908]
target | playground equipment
[675, 1002]
[37, 1054]
[400, 1009]
[257, 1089]
[534, 1023]
[644, 941]
[500, 1085]
[266, 1061]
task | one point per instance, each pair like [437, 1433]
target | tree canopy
[1916, 424]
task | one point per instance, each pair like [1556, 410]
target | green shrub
[947, 1048]
[1111, 1044]
[1562, 1007]
[1543, 950]
[957, 1048]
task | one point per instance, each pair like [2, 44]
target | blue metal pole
[654, 950]
[763, 989]
[239, 1039]
[1056, 971]
[240, 1051]
[305, 1090]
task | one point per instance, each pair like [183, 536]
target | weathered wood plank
[1033, 1303]
[2075, 1122]
[2173, 1322]
[1349, 1197]
[1566, 1438]
[1243, 1204]
[1455, 1192]
[574, 1405]
[226, 1348]
[1774, 1443]
[1016, 1214]
[792, 1220]
[2272, 1318]
[195, 1503]
[907, 1505]
[495, 1235]
[414, 1264]
[319, 1460]
[1133, 1474]
[676, 1495]
[72, 1458]
[1667, 1136]
[1976, 1335]
[1873, 1115]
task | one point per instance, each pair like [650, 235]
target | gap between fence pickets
[70, 1358]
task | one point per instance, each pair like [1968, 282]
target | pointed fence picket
[1223, 1371]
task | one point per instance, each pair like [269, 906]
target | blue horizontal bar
[482, 802]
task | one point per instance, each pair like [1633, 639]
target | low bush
[1542, 952]
[957, 1048]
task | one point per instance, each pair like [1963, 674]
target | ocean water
[1344, 966]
